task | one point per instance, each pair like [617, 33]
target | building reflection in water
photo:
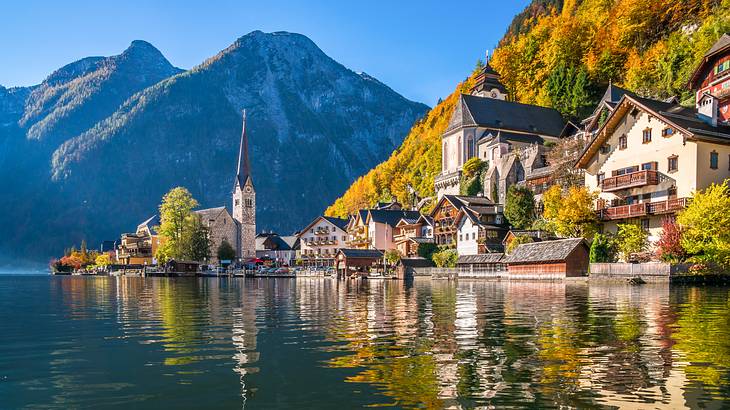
[435, 344]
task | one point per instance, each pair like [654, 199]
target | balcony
[632, 180]
[643, 209]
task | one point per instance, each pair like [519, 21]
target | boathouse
[357, 261]
[549, 259]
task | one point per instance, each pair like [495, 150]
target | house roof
[722, 44]
[420, 239]
[492, 113]
[682, 118]
[150, 222]
[210, 213]
[536, 235]
[426, 219]
[361, 253]
[391, 216]
[271, 242]
[483, 258]
[338, 222]
[292, 241]
[545, 251]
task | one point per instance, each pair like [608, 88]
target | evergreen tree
[519, 208]
[226, 251]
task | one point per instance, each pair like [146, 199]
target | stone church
[509, 137]
[239, 229]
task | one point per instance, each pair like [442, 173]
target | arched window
[470, 147]
[495, 153]
[460, 152]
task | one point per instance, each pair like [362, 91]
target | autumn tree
[185, 237]
[519, 208]
[569, 214]
[630, 239]
[669, 246]
[446, 258]
[704, 224]
[517, 241]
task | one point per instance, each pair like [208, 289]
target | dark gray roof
[507, 115]
[292, 241]
[392, 216]
[484, 258]
[338, 222]
[614, 93]
[545, 251]
[361, 253]
[722, 42]
[210, 213]
[686, 118]
[416, 262]
[420, 239]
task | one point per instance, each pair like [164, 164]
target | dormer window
[667, 132]
[646, 136]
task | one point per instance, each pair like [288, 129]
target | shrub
[669, 246]
[630, 239]
[445, 258]
[426, 250]
[704, 224]
[601, 249]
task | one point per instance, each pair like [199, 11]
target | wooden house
[549, 259]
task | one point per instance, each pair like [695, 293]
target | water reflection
[87, 342]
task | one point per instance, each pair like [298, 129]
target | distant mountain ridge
[107, 136]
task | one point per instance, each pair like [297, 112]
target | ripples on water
[73, 342]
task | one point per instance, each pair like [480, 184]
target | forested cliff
[562, 54]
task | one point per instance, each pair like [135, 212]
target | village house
[444, 214]
[556, 259]
[410, 233]
[486, 125]
[139, 248]
[321, 239]
[480, 229]
[282, 250]
[357, 231]
[358, 261]
[650, 156]
[382, 224]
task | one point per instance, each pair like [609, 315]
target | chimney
[707, 109]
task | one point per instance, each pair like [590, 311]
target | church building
[244, 201]
[508, 136]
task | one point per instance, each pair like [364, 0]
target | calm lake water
[76, 342]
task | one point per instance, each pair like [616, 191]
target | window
[646, 136]
[722, 67]
[673, 163]
[649, 166]
[473, 235]
[461, 237]
[600, 177]
[645, 224]
[667, 132]
[714, 159]
[622, 144]
[237, 201]
[249, 203]
[605, 149]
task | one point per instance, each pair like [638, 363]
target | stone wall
[223, 227]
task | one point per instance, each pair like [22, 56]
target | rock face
[109, 136]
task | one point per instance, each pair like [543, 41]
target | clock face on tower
[248, 189]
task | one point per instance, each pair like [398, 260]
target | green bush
[446, 258]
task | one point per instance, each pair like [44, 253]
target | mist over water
[117, 342]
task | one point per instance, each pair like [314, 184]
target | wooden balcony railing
[643, 209]
[632, 180]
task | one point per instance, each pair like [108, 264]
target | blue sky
[419, 48]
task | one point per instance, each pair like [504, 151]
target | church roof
[472, 111]
[243, 170]
[210, 213]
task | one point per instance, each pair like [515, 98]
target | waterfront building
[480, 229]
[711, 83]
[139, 248]
[410, 233]
[649, 156]
[281, 249]
[445, 230]
[358, 261]
[357, 230]
[486, 125]
[549, 259]
[321, 239]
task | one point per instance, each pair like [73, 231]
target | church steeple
[243, 171]
[244, 201]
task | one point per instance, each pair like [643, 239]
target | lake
[150, 343]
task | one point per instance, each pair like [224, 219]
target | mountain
[114, 134]
[562, 54]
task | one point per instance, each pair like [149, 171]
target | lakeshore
[313, 343]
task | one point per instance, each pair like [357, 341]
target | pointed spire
[243, 171]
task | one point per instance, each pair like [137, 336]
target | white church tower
[244, 201]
